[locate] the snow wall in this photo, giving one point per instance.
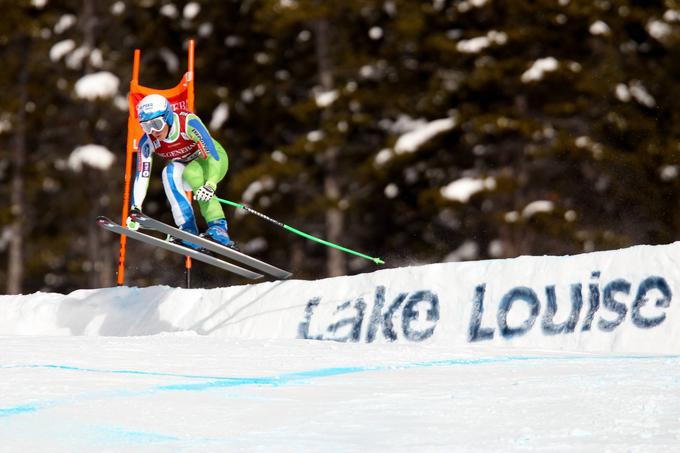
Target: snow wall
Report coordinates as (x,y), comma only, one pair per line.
(618,301)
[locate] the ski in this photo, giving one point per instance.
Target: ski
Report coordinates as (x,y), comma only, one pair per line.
(112,226)
(234,255)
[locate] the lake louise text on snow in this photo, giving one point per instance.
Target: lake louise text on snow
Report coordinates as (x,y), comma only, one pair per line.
(414,316)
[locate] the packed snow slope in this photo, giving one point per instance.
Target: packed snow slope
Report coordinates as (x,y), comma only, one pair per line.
(619,301)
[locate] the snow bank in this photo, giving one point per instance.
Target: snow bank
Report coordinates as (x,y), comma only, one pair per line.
(619,301)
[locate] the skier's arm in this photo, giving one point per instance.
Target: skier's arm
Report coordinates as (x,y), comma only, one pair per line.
(199,133)
(142,176)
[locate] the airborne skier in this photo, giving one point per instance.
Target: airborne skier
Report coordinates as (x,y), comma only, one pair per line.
(197,162)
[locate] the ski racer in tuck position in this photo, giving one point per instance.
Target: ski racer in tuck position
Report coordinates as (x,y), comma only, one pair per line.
(197,162)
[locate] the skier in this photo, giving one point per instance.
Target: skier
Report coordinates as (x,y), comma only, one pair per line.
(197,162)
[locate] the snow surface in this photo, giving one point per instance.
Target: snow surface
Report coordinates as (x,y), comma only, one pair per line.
(478,356)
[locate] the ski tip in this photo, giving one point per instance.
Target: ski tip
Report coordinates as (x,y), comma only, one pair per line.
(138,216)
(101,220)
(378,261)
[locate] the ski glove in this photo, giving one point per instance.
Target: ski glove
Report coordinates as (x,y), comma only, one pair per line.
(206,192)
(131,224)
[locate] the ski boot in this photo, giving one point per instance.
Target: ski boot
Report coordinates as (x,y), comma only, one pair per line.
(189,227)
(217,232)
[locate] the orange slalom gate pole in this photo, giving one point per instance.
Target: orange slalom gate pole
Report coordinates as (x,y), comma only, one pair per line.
(190,105)
(137,92)
(130,149)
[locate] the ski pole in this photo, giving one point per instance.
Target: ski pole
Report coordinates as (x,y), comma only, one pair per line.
(298,232)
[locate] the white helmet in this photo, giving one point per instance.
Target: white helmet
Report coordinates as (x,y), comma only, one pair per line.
(154,106)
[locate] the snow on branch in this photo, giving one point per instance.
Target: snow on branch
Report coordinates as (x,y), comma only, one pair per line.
(97,85)
(539,68)
(411,141)
(95,156)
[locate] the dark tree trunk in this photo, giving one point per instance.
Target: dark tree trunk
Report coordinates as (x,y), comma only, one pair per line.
(336,262)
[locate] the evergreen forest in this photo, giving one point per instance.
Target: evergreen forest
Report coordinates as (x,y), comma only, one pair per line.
(418,131)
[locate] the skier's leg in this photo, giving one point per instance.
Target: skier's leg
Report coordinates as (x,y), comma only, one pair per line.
(211,210)
(175,190)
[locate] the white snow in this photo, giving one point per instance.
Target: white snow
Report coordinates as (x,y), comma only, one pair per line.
(368,71)
(121,103)
(375,33)
(599,28)
(539,68)
(5,123)
(64,23)
(169,10)
(247,95)
(74,59)
(640,94)
(462,189)
(5,237)
(413,140)
(205,29)
(671,15)
(570,215)
(95,156)
(383,156)
(634,90)
(96,58)
(191,10)
(118,8)
(315,136)
(435,307)
(101,84)
(472,367)
(220,116)
(468,250)
(659,30)
(402,124)
(391,190)
(669,172)
(466,5)
(622,92)
(255,187)
(476,45)
(279,156)
(304,36)
(537,207)
(61,48)
(288,4)
(325,98)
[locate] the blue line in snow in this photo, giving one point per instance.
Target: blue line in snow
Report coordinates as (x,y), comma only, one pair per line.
(214,382)
(16,410)
(99,370)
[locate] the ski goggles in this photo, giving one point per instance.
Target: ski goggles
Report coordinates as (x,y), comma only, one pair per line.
(153,125)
